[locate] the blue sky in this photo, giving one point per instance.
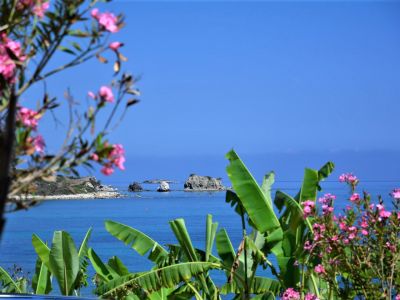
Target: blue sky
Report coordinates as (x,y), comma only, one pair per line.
(262,77)
(257,76)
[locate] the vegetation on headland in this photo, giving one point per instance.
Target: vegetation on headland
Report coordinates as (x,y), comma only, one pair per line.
(318,254)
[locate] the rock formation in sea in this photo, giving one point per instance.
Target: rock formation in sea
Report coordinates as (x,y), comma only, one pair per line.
(203,183)
(135,187)
(163,187)
(158,181)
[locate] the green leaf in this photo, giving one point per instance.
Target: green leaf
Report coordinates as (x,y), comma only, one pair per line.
(106,273)
(309,188)
(83,261)
(225,249)
(66,50)
(83,249)
(137,240)
(76,46)
(211,230)
(117,265)
(64,261)
(154,280)
(266,186)
(260,285)
(41,249)
(252,197)
(41,281)
(7,281)
(179,228)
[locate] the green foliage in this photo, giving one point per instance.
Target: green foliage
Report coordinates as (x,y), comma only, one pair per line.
(137,240)
(8,284)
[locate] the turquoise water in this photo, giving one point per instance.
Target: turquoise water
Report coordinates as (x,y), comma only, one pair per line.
(147,211)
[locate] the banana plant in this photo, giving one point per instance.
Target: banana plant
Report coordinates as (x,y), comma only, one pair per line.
(284,235)
(63,261)
(184,253)
(181,272)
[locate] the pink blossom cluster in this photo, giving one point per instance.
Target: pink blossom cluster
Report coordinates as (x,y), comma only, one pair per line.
(115,157)
(38,7)
(396,194)
(327,203)
(383,214)
(308,208)
(363,227)
(291,294)
(319,269)
(106,20)
(310,296)
(355,198)
(28,117)
(348,178)
(7,64)
(105,94)
(37,142)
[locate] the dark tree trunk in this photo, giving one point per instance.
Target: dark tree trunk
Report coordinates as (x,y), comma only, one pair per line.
(7,139)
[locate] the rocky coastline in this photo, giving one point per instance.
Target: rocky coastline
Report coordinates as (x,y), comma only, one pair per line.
(67,188)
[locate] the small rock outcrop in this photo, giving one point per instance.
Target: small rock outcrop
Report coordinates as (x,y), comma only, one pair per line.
(203,183)
(158,181)
(135,187)
(164,187)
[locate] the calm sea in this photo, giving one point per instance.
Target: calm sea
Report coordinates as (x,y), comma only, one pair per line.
(147,211)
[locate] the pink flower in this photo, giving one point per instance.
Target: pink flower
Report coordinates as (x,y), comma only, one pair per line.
(395,193)
(115,45)
(290,294)
(94,157)
(308,203)
(310,296)
(355,197)
(308,208)
(397,297)
(343,226)
(380,207)
(106,20)
(384,214)
(29,118)
(391,247)
(364,232)
(319,269)
(348,178)
(308,246)
(117,157)
(92,95)
(326,209)
(119,162)
(39,144)
(107,170)
(94,13)
(7,64)
(106,93)
(352,236)
(40,8)
(327,199)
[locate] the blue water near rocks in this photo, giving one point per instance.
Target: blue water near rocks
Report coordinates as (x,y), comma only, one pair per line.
(146,211)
